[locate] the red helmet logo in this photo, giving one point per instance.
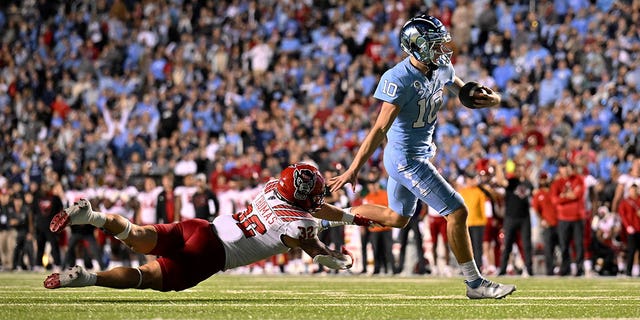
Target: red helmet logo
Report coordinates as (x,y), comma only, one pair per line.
(302,185)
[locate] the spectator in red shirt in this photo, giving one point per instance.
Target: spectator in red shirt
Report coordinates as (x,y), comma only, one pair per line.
(217,173)
(60,106)
(629,210)
(546,212)
(567,194)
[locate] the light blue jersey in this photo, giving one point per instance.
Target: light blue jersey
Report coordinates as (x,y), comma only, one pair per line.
(419,100)
(410,139)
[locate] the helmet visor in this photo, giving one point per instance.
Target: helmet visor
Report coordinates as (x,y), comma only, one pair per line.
(440,54)
(432,48)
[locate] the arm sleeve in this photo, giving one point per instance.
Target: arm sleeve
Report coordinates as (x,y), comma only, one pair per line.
(390,89)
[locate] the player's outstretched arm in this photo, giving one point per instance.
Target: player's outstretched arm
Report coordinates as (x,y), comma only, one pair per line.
(381,215)
(338,260)
(331,259)
(363,215)
(388,113)
(332,213)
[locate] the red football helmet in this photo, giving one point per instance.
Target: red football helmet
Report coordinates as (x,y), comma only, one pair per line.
(302,185)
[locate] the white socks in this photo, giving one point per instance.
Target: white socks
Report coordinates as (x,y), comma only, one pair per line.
(470,271)
(93,278)
(91,217)
(97,219)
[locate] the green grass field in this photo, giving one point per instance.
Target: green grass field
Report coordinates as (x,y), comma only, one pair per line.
(322,297)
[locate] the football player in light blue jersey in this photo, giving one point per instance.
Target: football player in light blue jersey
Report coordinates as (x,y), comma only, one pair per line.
(412,93)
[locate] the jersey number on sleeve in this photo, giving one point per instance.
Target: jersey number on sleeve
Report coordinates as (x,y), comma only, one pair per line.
(306,233)
(389,88)
(249,223)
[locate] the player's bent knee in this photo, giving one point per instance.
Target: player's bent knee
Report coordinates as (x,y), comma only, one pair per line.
(151,276)
(458,216)
(140,231)
(142,239)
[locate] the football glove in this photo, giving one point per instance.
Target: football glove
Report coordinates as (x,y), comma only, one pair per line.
(334,262)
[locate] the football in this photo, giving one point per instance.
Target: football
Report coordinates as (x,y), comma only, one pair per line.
(466,94)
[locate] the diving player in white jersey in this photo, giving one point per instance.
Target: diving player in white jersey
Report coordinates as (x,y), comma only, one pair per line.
(411,94)
(279,218)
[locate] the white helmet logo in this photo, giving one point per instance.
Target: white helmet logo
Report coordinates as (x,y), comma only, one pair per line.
(303,180)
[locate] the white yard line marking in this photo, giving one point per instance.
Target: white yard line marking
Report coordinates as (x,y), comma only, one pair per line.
(288,304)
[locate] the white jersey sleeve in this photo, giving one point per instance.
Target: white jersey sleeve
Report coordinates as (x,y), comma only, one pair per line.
(255,233)
(148,202)
(225,199)
(627,181)
(187,210)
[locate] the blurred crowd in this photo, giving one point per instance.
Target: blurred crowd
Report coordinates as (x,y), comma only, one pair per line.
(140,105)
